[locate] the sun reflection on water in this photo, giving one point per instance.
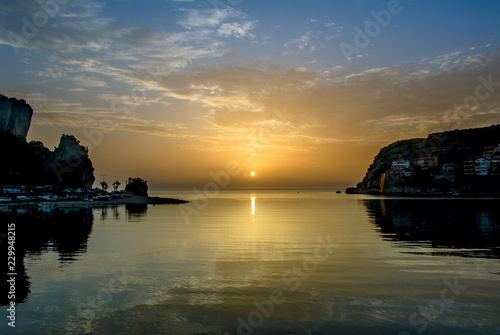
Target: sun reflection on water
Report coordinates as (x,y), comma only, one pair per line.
(253,205)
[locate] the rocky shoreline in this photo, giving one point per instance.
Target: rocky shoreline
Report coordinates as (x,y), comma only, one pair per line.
(135,200)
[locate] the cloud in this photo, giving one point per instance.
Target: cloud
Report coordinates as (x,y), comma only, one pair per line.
(226,22)
(110,123)
(82,39)
(57,112)
(89,81)
(313,40)
(95,53)
(235,29)
(301,42)
(53,72)
(196,18)
(89,51)
(376,105)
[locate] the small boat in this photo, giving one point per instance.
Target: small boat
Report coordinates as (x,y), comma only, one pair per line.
(102,198)
(4,199)
(48,197)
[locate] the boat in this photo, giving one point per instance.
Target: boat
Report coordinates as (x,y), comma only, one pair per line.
(49,197)
(4,199)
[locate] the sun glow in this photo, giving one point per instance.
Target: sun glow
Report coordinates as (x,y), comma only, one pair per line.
(252,174)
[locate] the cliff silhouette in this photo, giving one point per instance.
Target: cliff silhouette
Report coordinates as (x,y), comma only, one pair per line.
(458,162)
(15,116)
(32,164)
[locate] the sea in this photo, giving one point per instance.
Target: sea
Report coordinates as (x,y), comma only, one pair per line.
(255,262)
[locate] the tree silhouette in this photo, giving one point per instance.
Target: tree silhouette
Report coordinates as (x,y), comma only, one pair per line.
(137,186)
(104,185)
(116,184)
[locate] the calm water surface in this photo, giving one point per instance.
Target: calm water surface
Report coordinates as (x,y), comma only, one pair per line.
(263,262)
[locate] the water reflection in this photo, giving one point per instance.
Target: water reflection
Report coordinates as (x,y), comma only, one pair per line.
(471,228)
(42,229)
(136,211)
(253,205)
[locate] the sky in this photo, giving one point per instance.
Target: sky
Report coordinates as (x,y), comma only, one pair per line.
(304,93)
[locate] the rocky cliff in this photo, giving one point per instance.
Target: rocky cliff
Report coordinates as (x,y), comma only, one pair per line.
(32,164)
(460,161)
(15,116)
(72,164)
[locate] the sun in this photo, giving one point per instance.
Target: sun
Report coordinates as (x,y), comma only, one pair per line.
(252,173)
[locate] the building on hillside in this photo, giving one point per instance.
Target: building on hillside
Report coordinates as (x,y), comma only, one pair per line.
(395,172)
(426,162)
(495,166)
(449,168)
(9,189)
(488,152)
(400,164)
(482,167)
(468,168)
(496,153)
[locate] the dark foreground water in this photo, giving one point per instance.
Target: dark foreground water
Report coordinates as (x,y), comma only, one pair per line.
(264,262)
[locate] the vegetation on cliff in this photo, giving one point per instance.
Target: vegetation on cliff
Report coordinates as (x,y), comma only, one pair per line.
(137,186)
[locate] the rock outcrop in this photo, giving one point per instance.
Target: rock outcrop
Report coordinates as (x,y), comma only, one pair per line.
(72,164)
(15,116)
(137,186)
(32,164)
(460,161)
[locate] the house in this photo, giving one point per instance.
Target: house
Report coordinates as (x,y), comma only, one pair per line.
(400,164)
(497,149)
(496,153)
(9,189)
(481,167)
(468,168)
(488,152)
(426,162)
(395,172)
(448,169)
(495,166)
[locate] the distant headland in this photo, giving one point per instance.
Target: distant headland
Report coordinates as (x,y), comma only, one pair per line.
(32,173)
(453,163)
